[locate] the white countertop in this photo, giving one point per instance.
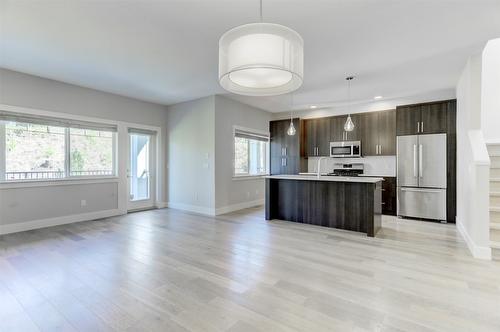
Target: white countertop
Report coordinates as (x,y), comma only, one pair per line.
(326,178)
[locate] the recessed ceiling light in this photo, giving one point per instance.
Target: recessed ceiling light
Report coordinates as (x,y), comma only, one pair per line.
(377,97)
(314,106)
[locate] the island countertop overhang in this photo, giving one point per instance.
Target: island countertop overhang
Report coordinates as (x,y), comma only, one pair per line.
(355,179)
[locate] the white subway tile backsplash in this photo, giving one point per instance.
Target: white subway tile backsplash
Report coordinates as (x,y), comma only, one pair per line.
(374,165)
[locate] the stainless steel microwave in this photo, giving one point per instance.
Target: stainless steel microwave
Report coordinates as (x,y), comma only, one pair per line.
(348,149)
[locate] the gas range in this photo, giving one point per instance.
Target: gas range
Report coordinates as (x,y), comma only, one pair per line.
(341,169)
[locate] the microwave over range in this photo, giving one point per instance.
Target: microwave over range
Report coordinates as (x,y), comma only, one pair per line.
(348,149)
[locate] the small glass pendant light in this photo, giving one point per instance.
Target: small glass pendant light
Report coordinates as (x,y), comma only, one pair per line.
(349,125)
(291,129)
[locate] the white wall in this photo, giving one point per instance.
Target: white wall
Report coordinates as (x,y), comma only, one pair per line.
(472,168)
(231,193)
(190,161)
(23,206)
(490,91)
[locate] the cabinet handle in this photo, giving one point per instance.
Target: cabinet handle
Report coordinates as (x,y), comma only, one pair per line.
(285,151)
(418,127)
(284,161)
(422,126)
(380,149)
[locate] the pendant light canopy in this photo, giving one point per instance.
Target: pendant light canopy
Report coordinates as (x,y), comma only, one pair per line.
(349,125)
(261,59)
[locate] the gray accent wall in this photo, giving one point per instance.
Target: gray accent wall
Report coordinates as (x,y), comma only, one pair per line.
(200,155)
(190,155)
(228,191)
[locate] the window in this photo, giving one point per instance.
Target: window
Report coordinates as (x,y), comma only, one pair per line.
(33,148)
(250,153)
(91,152)
(33,151)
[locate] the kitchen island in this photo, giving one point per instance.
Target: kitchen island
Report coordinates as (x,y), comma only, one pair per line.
(350,203)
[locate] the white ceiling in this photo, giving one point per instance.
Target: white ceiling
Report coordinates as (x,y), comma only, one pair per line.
(166,51)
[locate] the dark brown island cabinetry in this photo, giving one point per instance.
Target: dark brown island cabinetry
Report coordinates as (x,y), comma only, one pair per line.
(427,118)
(284,149)
(317,137)
(377,133)
(349,205)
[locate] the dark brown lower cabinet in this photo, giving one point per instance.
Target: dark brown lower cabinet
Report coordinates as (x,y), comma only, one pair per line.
(389,201)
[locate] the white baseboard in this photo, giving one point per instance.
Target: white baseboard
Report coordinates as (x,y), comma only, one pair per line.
(41,223)
(480,252)
(161,205)
(192,208)
(238,206)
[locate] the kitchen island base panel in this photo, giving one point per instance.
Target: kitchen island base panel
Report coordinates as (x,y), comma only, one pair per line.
(350,206)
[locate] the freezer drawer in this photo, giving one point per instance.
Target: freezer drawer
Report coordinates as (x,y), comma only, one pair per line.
(425,203)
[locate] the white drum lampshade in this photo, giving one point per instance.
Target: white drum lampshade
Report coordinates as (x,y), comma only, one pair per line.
(261,59)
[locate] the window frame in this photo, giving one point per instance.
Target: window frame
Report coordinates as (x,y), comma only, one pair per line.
(267,153)
(67,158)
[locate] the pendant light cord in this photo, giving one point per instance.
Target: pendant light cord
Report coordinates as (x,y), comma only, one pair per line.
(291,107)
(349,79)
(260,11)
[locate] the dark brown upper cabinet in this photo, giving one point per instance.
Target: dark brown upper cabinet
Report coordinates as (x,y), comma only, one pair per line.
(433,118)
(337,132)
(285,149)
(387,133)
(428,118)
(378,133)
(317,137)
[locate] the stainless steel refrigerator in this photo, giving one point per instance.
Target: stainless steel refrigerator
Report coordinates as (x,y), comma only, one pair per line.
(421,176)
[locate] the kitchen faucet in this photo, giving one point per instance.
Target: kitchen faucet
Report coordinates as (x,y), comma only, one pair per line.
(319,166)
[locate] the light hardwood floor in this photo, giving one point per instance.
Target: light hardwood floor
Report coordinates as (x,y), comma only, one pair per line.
(165,270)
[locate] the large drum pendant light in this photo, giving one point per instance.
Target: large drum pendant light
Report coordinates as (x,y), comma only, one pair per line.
(261,59)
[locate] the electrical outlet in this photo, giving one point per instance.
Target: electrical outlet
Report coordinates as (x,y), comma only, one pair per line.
(83,203)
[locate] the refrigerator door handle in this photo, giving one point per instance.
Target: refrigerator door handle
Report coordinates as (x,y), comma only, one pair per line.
(420,163)
(415,160)
(422,190)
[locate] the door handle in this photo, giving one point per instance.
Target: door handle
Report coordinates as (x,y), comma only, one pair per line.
(414,160)
(420,164)
(422,190)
